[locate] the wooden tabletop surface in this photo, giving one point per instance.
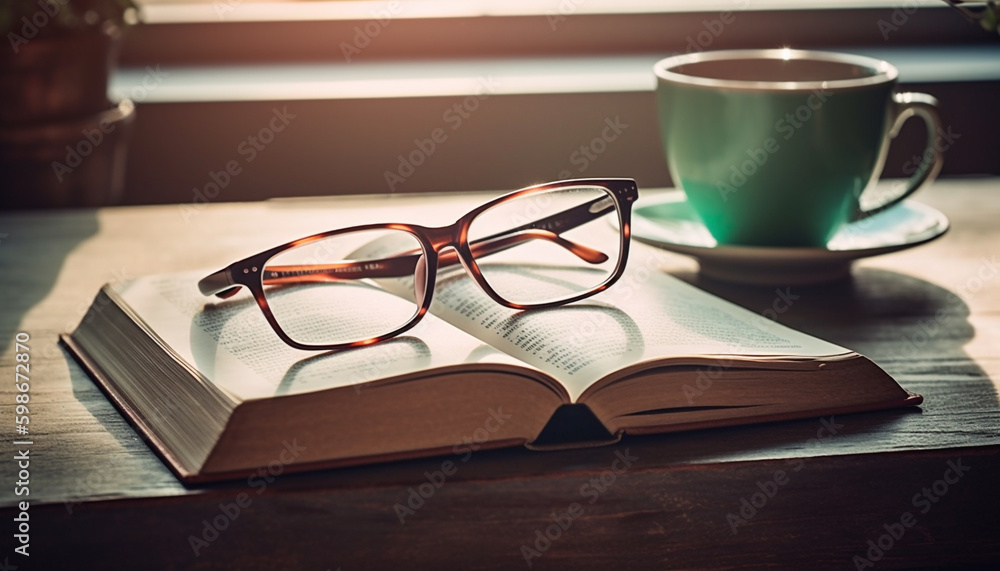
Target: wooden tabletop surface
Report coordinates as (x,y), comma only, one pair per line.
(930,316)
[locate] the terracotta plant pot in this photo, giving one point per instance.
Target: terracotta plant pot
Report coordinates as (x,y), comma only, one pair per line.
(71,163)
(54,78)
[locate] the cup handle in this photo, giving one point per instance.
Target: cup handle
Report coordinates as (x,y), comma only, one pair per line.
(904,106)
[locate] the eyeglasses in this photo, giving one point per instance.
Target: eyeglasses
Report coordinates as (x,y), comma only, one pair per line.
(538,247)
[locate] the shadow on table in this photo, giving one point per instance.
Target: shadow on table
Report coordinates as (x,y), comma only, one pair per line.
(913,329)
(885,315)
(29,269)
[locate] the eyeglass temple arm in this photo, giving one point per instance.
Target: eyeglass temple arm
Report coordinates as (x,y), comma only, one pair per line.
(566,220)
(499,243)
(404,264)
(221,285)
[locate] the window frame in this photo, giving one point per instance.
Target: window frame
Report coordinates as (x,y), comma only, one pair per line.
(370,31)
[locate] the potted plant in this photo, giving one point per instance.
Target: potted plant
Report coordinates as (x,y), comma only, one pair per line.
(986,12)
(61,139)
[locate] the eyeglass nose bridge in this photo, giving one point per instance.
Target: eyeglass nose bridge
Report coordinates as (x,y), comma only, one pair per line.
(450,247)
(440,237)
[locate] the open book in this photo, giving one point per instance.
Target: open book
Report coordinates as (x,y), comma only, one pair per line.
(218,394)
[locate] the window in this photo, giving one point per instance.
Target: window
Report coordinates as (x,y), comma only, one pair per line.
(366,79)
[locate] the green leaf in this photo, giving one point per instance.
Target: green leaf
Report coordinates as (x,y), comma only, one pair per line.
(989,19)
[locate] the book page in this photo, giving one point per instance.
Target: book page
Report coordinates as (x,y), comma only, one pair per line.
(647,315)
(232,345)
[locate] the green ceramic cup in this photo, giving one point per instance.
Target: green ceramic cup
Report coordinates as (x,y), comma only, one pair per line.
(776,147)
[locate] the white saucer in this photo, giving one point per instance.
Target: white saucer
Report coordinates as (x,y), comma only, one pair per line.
(667,221)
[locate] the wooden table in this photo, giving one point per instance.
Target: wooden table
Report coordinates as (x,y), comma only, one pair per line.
(99,498)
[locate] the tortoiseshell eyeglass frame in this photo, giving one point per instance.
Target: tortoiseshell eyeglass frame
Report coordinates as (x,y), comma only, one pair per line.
(250,272)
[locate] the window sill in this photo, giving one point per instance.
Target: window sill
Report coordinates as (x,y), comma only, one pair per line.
(328,81)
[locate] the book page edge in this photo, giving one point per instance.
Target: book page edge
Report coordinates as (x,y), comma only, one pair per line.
(185,473)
